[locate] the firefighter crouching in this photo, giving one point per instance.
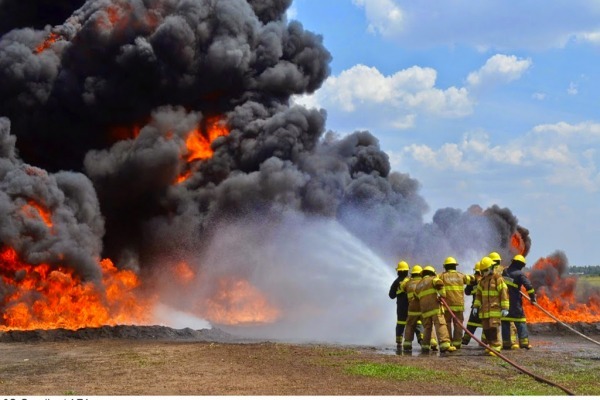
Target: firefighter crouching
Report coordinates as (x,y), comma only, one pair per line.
(454,284)
(515,278)
(491,303)
(432,314)
(396,292)
(414,308)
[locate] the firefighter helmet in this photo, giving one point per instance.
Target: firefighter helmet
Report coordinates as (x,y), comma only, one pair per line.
(477,267)
(450,261)
(402,266)
(519,258)
(485,264)
(429,268)
(495,257)
(416,270)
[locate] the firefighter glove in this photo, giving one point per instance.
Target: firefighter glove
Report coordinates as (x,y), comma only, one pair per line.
(474,311)
(504,313)
(532,299)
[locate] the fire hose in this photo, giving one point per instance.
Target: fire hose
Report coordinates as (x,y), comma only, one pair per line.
(534,376)
(559,321)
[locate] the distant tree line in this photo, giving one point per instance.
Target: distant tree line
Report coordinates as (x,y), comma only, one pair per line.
(585,270)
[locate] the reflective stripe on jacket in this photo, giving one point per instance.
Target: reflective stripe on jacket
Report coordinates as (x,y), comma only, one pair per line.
(491,297)
(409,286)
(515,278)
(428,290)
(454,284)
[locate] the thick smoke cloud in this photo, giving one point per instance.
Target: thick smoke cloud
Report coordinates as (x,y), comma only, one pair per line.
(71,236)
(115,92)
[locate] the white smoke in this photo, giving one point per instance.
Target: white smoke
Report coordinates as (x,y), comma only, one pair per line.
(327,284)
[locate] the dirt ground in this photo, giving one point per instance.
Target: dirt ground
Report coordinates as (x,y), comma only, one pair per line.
(184,366)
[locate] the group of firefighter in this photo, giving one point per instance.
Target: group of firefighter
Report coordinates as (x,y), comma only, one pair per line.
(497,305)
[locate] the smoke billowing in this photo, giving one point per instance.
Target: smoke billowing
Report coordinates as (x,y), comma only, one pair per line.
(116,91)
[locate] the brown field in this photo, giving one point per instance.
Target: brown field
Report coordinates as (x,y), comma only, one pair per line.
(96,365)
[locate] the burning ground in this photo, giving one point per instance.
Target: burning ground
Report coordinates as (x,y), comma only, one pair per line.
(153,165)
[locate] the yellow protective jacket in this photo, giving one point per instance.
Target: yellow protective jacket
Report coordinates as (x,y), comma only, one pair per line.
(491,296)
(428,290)
(454,284)
(409,286)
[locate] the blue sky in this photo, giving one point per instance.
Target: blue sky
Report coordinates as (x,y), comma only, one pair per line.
(484,103)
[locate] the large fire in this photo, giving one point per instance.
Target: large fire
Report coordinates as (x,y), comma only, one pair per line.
(556,292)
(45,297)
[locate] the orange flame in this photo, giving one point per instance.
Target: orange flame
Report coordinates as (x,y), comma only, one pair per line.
(45,297)
(198,143)
(183,273)
(116,16)
(34,210)
(236,302)
(517,243)
(558,296)
(50,40)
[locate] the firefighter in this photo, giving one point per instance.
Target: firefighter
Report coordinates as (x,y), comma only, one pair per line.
(454,284)
(499,268)
(515,278)
(432,313)
(413,323)
(474,321)
(401,301)
(491,303)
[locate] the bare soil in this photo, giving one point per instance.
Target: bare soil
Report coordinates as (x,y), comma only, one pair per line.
(162,361)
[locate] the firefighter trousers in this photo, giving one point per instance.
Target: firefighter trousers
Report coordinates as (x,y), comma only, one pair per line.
(441,331)
(413,327)
(454,327)
(490,328)
(508,335)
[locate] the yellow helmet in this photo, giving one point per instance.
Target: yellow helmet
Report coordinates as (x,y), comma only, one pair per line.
(402,266)
(485,264)
(450,261)
(495,256)
(520,258)
(416,270)
(429,268)
(478,266)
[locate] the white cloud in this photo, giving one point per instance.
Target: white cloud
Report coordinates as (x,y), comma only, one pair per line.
(561,154)
(538,96)
(499,68)
(401,96)
(586,132)
(592,37)
(404,122)
(496,24)
(572,89)
(384,16)
(291,12)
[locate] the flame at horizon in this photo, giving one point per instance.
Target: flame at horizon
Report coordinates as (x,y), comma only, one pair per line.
(561,294)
